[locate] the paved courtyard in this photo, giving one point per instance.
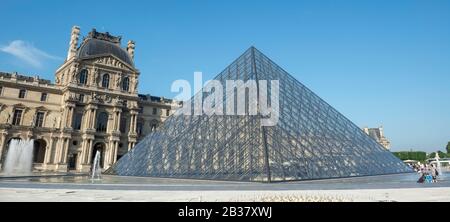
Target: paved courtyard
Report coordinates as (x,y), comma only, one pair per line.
(113,188)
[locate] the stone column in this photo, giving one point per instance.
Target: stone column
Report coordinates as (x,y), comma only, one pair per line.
(112,151)
(2,146)
(84,149)
(63,148)
(131,145)
(87,118)
(119,116)
(93,117)
(131,124)
(68,115)
(89,154)
(133,115)
(58,148)
(116,120)
(70,119)
(48,151)
(116,148)
(66,150)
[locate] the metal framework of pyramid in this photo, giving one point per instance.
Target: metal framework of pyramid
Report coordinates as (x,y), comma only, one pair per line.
(311,140)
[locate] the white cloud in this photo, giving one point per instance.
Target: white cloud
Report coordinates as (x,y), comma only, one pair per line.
(26,52)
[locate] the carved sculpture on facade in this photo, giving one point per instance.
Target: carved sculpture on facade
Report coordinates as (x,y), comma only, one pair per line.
(33,120)
(94,97)
(74,72)
(118,79)
(8,118)
(136,82)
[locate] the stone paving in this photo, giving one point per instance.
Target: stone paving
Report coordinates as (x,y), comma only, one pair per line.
(89,195)
(113,188)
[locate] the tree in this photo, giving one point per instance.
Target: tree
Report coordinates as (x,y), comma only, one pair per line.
(411,155)
(448,148)
(441,154)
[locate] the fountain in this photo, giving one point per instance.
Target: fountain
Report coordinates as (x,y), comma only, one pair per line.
(438,164)
(19,158)
(96,170)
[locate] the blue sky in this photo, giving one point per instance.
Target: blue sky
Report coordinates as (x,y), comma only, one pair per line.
(377,62)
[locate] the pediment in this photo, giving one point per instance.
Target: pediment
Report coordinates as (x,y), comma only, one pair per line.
(111,61)
(19,105)
(41,108)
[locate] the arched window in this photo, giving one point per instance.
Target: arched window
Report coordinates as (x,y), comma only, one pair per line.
(39,151)
(82,77)
(123,125)
(105,81)
(126,84)
(139,126)
(102,122)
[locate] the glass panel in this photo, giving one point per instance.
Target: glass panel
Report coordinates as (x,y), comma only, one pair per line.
(311,140)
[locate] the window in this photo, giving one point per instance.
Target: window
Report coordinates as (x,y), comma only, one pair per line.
(167,112)
(17,117)
(81,98)
(1,90)
(22,93)
(155,111)
(139,125)
(39,151)
(39,122)
(82,77)
(102,122)
(123,125)
(43,97)
(126,84)
(105,81)
(76,125)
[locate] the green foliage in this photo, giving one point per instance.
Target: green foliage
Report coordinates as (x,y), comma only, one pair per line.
(441,155)
(448,148)
(411,155)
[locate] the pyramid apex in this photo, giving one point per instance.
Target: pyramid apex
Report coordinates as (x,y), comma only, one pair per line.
(252,47)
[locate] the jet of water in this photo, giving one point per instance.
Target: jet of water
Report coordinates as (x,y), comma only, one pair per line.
(438,163)
(19,158)
(96,170)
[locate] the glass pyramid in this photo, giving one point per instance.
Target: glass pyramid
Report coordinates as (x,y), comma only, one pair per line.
(311,140)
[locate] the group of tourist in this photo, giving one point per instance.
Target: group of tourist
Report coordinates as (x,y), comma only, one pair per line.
(428,172)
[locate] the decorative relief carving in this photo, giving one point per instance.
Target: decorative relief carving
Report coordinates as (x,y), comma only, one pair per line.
(118,79)
(74,72)
(110,62)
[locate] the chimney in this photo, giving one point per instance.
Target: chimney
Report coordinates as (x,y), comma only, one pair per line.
(73,42)
(130,49)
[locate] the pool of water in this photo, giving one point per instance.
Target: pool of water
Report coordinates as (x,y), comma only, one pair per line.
(149,183)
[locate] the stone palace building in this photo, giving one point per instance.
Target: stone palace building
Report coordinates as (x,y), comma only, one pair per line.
(378,135)
(93,105)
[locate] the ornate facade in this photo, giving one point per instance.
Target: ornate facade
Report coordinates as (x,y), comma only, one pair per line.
(93,105)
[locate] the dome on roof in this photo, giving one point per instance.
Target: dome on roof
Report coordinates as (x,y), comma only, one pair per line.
(94,47)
